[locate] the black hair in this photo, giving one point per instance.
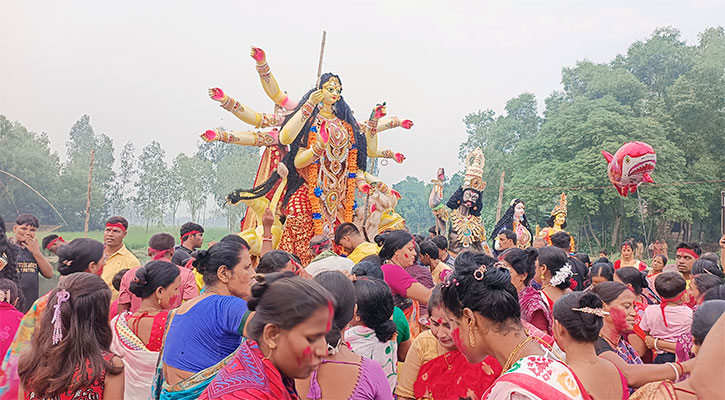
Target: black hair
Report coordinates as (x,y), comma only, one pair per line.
(712,257)
(46,240)
(509,234)
(189,227)
(507,220)
(493,296)
(235,238)
(429,248)
(692,246)
(116,281)
(609,291)
(271,301)
(375,307)
(11,293)
(522,261)
(436,299)
(392,241)
(320,243)
(433,230)
(345,229)
(77,255)
(670,284)
(603,269)
(273,261)
(554,258)
(294,179)
(419,239)
(583,257)
(369,267)
(152,276)
(582,326)
(28,219)
(604,251)
(706,267)
(633,276)
(629,243)
(118,220)
(162,241)
(343,291)
(441,242)
(455,201)
(663,257)
(207,262)
(550,220)
(716,293)
(704,318)
(8,253)
(705,282)
(561,240)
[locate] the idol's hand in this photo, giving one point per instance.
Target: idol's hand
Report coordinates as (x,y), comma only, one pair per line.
(267,220)
(396,193)
(379,111)
(216,94)
(316,97)
(210,136)
(258,55)
(365,188)
(399,158)
(407,124)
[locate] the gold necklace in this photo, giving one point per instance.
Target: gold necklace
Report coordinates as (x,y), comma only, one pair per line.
(515,352)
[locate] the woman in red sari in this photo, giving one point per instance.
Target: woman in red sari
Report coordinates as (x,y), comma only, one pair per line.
(286,340)
(436,369)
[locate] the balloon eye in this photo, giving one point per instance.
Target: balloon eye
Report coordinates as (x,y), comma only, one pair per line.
(627,159)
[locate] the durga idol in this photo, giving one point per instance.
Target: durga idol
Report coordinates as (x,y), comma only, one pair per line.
(514,219)
(556,223)
(326,162)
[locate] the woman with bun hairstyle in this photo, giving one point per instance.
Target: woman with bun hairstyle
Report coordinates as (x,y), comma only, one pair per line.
(70,357)
(398,252)
(554,273)
(137,336)
(578,318)
(202,334)
(372,331)
(80,255)
(343,374)
(286,341)
(483,309)
(618,302)
(521,265)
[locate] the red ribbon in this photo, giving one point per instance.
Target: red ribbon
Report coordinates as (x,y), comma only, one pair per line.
(117,225)
(666,301)
(688,251)
(189,233)
(159,254)
(52,242)
(316,247)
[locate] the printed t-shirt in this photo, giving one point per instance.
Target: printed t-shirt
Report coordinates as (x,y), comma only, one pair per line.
(29,281)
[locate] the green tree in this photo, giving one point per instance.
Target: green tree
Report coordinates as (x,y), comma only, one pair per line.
(151,195)
(125,178)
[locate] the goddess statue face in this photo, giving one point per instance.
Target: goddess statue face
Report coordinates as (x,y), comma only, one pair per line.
(560,219)
(332,91)
(519,211)
(470,198)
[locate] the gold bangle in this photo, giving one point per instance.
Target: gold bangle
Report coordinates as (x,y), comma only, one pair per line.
(307,109)
(387,154)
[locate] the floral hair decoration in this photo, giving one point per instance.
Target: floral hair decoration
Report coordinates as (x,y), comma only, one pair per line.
(561,275)
(60,297)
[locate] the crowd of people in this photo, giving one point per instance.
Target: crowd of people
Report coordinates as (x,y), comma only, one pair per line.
(401,317)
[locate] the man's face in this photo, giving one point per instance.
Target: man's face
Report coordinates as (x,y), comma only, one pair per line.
(24,233)
(504,242)
(684,262)
(425,259)
(196,240)
(346,244)
(113,236)
(469,198)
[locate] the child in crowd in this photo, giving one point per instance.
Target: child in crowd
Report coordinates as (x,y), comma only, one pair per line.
(11,298)
(670,319)
(116,285)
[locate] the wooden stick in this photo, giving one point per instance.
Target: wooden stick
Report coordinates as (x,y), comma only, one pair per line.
(322,55)
(88,200)
(500,198)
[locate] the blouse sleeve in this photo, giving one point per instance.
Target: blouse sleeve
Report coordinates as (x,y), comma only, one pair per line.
(232,310)
(408,372)
(398,279)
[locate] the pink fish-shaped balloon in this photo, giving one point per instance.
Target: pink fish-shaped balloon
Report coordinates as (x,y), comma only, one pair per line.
(630,166)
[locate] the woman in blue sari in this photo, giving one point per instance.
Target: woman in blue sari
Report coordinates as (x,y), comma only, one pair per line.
(203,333)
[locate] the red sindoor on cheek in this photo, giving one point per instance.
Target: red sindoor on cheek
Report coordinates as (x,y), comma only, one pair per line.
(619,319)
(456,334)
(305,356)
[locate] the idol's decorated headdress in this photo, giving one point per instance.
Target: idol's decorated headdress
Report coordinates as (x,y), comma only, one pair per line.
(474,170)
(561,207)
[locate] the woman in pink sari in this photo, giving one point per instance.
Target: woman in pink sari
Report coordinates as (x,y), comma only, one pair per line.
(9,315)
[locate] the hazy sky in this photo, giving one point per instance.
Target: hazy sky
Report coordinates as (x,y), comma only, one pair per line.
(141,69)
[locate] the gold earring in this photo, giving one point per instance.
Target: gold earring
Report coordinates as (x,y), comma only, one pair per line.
(471,339)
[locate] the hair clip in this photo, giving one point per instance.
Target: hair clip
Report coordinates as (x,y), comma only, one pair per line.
(478,274)
(594,311)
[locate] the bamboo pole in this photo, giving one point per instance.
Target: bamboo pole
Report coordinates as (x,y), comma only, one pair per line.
(322,55)
(500,197)
(88,199)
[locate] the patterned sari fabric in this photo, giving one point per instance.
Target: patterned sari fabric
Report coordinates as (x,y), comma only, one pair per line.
(538,377)
(9,381)
(250,376)
(451,376)
(531,302)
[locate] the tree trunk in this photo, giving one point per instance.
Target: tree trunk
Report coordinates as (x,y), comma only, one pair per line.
(615,225)
(591,230)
